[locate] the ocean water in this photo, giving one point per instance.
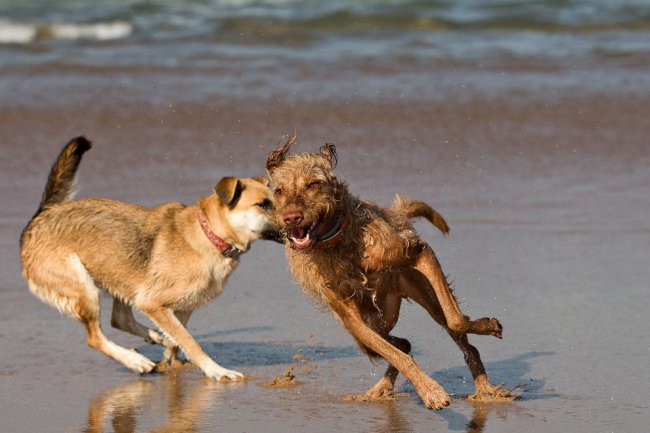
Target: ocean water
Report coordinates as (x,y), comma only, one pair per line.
(384,47)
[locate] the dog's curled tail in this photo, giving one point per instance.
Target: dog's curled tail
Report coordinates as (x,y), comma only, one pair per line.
(419,209)
(60,182)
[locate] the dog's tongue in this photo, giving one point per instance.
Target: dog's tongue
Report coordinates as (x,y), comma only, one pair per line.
(300,237)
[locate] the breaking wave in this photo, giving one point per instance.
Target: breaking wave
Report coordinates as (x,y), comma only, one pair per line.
(12,32)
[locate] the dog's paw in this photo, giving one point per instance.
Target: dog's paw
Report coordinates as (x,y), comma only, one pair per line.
(232,375)
(496,328)
(432,394)
(491,393)
(488,326)
(139,363)
(218,373)
(383,388)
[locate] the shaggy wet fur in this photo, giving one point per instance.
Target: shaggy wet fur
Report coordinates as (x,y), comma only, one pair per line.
(361,260)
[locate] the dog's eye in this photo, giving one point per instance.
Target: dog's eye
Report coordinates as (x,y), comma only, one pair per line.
(315,184)
(278,191)
(266,204)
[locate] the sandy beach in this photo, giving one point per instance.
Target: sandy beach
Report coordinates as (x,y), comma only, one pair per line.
(548,212)
(542,175)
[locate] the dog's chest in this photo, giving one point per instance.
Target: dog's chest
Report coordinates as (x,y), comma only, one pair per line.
(210,284)
(220,273)
(220,270)
(316,272)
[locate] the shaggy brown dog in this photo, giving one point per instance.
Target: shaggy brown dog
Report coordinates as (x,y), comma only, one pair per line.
(166,261)
(361,260)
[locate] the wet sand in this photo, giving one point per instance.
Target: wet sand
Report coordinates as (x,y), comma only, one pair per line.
(547,199)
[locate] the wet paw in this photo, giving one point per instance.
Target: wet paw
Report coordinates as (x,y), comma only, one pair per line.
(492,326)
(218,373)
(433,395)
(232,375)
(382,389)
(139,363)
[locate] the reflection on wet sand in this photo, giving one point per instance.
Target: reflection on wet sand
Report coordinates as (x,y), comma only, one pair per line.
(482,411)
(125,406)
(181,402)
(393,418)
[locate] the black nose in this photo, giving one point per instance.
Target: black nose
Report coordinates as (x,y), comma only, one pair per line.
(292,218)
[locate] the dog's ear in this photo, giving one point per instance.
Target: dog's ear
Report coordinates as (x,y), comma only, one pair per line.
(264,181)
(229,190)
(277,156)
(329,151)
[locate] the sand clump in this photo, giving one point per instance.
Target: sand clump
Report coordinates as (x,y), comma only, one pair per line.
(363,398)
(286,379)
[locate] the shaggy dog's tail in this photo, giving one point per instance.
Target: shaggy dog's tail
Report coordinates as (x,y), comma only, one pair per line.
(419,209)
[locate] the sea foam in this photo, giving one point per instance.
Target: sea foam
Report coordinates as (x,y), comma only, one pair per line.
(23,33)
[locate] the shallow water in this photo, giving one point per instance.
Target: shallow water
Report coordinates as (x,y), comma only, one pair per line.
(541,170)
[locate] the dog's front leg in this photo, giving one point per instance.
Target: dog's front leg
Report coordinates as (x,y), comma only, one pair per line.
(169,323)
(170,357)
(432,394)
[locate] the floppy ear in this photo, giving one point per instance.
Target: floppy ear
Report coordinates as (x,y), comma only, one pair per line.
(264,181)
(276,157)
(329,151)
(229,190)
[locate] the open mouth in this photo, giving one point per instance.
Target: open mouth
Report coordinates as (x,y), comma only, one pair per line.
(302,237)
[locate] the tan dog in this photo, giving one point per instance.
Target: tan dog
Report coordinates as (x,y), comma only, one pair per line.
(361,260)
(166,261)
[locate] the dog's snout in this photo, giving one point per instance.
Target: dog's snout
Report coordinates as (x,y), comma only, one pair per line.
(292,218)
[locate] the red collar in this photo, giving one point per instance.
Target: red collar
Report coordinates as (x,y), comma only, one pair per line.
(335,235)
(227,250)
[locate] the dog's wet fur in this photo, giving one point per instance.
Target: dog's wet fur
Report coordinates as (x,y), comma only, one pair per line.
(158,260)
(361,260)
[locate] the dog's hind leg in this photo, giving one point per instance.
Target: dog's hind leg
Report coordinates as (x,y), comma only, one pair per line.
(67,285)
(86,309)
(122,319)
(428,265)
(415,286)
(130,358)
(484,389)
